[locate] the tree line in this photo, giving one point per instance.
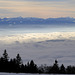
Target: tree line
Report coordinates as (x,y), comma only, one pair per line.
(16,65)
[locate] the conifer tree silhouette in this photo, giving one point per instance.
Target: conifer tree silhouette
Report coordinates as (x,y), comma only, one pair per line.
(5,56)
(62,69)
(18,59)
(55,68)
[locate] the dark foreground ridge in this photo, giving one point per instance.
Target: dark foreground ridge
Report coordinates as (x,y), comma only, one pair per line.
(16,65)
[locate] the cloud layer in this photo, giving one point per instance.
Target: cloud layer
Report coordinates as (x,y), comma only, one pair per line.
(34,37)
(43,49)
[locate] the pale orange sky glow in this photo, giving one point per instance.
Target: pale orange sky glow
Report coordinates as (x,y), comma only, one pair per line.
(35,8)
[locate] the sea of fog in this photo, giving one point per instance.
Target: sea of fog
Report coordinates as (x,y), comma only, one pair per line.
(41,43)
(20,29)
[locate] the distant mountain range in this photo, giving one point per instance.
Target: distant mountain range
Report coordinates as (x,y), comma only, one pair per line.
(32,20)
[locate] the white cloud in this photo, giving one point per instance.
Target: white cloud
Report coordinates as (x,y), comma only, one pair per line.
(34,37)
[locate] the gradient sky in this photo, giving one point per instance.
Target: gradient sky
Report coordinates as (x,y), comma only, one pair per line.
(37,8)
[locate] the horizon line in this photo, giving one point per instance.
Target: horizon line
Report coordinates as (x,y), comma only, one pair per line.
(36,17)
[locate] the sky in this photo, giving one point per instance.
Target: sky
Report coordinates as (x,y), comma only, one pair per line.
(37,8)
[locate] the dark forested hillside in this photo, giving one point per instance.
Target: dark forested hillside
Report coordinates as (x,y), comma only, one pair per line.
(16,65)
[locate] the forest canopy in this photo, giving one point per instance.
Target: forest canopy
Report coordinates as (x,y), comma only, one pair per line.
(16,65)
